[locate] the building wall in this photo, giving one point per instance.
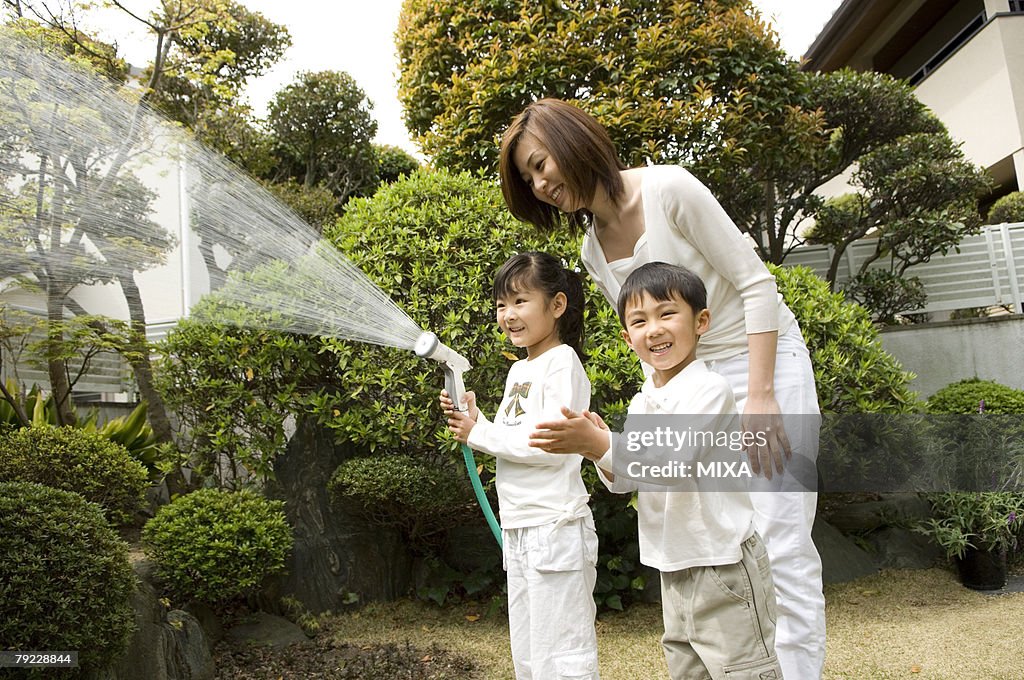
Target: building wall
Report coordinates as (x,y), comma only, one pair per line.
(941,353)
(978,92)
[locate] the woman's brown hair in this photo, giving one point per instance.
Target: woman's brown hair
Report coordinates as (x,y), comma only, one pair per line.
(578,144)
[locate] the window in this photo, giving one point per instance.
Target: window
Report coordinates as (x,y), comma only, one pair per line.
(1017,5)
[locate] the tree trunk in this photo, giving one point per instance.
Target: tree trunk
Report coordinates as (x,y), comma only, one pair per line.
(140,363)
(59,385)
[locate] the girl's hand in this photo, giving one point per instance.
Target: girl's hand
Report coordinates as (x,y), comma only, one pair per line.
(460,425)
(469,399)
(762,417)
(460,422)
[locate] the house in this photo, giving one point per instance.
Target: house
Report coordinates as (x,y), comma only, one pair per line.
(965,59)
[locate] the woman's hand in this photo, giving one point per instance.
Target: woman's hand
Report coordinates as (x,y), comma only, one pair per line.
(460,422)
(762,418)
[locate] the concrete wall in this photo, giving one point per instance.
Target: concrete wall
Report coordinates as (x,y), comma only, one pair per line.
(941,353)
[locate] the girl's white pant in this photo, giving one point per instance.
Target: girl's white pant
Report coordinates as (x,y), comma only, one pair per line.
(551,573)
(784,518)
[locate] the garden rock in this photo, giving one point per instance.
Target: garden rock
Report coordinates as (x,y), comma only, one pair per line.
(904,509)
(267,630)
(167,645)
(335,553)
(841,559)
(898,548)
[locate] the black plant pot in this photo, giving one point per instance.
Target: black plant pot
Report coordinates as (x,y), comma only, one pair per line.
(982,569)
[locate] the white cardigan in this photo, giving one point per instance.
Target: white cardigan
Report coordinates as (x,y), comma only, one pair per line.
(686,226)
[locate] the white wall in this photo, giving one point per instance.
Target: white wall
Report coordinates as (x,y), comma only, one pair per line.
(946,352)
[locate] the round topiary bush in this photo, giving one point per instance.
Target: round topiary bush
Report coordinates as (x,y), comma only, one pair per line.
(75,460)
(404,492)
(65,579)
(968,395)
(214,545)
(1009,208)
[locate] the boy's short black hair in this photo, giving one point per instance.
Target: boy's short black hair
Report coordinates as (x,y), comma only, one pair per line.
(661,280)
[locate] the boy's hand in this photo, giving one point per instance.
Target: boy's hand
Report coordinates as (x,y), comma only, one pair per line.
(763,419)
(584,433)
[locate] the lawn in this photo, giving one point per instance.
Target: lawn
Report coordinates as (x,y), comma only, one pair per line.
(897,624)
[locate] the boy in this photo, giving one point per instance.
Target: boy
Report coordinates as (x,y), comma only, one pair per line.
(718,598)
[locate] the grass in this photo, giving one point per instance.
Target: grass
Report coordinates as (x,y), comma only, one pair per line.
(897,624)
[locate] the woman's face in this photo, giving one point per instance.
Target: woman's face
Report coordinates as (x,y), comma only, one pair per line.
(540,172)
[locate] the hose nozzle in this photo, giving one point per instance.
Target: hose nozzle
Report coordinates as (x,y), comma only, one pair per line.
(452,363)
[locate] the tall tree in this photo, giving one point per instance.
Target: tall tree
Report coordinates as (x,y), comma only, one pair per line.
(700,84)
(204,50)
(673,82)
(77,214)
(322,132)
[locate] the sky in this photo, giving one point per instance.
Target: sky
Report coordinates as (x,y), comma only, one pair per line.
(357,36)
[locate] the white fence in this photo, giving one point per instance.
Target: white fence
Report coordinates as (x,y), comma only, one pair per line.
(988,269)
(108,374)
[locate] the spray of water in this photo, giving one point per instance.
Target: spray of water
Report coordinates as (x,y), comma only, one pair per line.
(83,168)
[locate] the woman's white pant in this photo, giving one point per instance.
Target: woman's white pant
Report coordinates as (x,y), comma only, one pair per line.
(551,573)
(784,518)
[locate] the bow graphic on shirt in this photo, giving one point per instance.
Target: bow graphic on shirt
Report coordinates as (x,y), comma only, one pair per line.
(518,391)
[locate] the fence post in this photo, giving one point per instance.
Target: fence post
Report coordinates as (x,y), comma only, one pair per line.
(1011,267)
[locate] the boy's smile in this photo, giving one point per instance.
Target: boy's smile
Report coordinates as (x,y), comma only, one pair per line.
(664,333)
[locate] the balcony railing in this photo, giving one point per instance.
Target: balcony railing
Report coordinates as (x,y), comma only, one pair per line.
(988,270)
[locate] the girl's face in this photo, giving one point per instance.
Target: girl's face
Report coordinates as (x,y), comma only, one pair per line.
(540,172)
(530,319)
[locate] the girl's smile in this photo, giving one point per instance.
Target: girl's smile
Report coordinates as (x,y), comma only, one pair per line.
(530,319)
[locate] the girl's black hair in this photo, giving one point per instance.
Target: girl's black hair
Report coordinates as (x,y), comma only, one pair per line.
(534,270)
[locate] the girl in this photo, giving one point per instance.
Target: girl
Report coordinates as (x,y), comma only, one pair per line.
(557,160)
(549,543)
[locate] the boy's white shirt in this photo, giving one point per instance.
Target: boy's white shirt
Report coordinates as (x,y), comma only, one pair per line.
(682,528)
(535,487)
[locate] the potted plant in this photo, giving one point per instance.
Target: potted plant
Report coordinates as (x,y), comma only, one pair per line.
(977,529)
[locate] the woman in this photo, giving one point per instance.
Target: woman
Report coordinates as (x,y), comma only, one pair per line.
(558,164)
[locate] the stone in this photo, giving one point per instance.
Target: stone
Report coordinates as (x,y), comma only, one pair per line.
(336,552)
(167,645)
(899,548)
(267,630)
(898,509)
(841,559)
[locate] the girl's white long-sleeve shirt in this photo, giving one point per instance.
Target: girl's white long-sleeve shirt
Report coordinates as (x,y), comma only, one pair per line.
(685,225)
(535,487)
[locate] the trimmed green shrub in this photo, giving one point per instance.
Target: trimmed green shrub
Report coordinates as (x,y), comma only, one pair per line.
(1009,208)
(76,460)
(886,294)
(432,242)
(852,372)
(65,579)
(404,492)
(213,545)
(966,396)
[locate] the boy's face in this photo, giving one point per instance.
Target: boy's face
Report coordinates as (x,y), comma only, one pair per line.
(664,333)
